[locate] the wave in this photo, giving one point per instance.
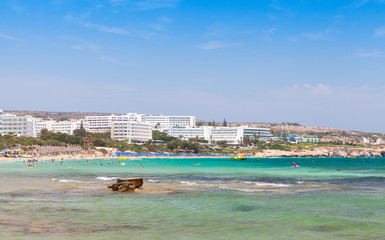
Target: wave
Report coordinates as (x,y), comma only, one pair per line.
(188,182)
(68,181)
(152,180)
(242,190)
(272,184)
(106,178)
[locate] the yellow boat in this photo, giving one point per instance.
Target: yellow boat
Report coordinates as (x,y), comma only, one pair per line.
(239,156)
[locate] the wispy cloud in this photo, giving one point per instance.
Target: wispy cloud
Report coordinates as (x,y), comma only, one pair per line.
(293,39)
(216,45)
(370,53)
(220,29)
(267,34)
(276,5)
(161,24)
(80,44)
(308,89)
(362,3)
(114,61)
(324,35)
(378,32)
(338,18)
(106,29)
(146,4)
(146,32)
(358,3)
(8,37)
(102,28)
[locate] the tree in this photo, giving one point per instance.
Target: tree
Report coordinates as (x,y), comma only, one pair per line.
(222,144)
(81,132)
(172,145)
(246,140)
(224,122)
(44,132)
(157,135)
(87,140)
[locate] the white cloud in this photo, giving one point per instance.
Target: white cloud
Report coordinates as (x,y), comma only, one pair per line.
(370,53)
(106,29)
(6,36)
(358,3)
(219,29)
(145,4)
(154,29)
(99,27)
(80,44)
(275,4)
(114,61)
(378,32)
(304,90)
(216,45)
(165,19)
(324,35)
(268,34)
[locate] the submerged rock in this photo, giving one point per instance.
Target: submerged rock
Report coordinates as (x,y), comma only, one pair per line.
(127,185)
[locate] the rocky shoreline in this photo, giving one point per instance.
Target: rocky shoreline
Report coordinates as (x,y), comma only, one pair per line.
(326,152)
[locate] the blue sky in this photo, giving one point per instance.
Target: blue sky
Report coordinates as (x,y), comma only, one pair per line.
(319,63)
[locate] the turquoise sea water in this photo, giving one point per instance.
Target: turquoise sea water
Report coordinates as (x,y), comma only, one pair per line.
(326,198)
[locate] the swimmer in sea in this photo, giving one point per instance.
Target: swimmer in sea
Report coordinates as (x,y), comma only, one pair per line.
(297,165)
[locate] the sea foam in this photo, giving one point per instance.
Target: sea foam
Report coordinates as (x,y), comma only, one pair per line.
(106,178)
(272,184)
(69,180)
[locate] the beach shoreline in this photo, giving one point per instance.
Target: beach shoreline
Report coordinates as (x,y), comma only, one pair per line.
(318,152)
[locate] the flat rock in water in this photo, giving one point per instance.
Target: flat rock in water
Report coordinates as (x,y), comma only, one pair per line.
(127,185)
(138,182)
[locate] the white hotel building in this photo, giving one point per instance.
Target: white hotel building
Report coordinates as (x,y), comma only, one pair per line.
(67,127)
(103,123)
(19,125)
(232,135)
(162,123)
(134,126)
(159,122)
(131,131)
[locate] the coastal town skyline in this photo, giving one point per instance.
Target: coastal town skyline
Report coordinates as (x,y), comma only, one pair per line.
(74,116)
(317,63)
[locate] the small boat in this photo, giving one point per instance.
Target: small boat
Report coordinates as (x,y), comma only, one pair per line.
(239,156)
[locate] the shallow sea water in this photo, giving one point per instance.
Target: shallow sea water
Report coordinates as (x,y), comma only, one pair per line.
(195,199)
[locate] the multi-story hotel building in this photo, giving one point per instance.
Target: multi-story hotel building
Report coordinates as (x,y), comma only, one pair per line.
(232,135)
(186,133)
(157,122)
(131,131)
(104,123)
(161,122)
(19,125)
(67,127)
